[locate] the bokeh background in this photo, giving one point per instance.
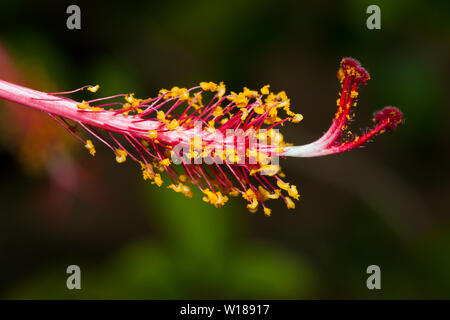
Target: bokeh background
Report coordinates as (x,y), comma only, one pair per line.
(386,204)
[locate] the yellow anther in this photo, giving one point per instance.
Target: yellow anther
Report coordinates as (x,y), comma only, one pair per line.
(244,113)
(293,192)
(183,94)
(161,115)
(132,101)
(265,90)
(152,134)
(216,199)
(241,100)
(129,97)
(208,86)
(297,118)
(173,124)
(262,135)
(163,92)
(259,110)
(250,93)
(83,105)
(270,169)
(210,129)
(90,147)
(94,88)
(275,136)
(211,123)
(218,112)
(185,190)
(283,185)
(221,90)
(253,205)
(289,203)
(181,188)
(121,155)
(147,174)
(157,180)
(263,158)
(353,94)
(267,211)
(249,195)
(267,195)
(165,162)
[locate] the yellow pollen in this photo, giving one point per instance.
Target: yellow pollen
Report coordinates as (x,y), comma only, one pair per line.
(270,169)
(353,94)
(152,134)
(218,112)
(165,162)
(147,175)
(216,199)
(259,110)
(244,113)
(173,124)
(240,100)
(283,185)
(267,211)
(121,155)
(293,192)
(249,195)
(208,86)
(157,180)
(211,124)
(94,88)
(129,97)
(221,90)
(265,89)
(181,188)
(297,118)
(267,195)
(289,203)
(90,147)
(253,205)
(83,105)
(161,115)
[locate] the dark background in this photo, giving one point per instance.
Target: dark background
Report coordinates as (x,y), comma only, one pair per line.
(386,204)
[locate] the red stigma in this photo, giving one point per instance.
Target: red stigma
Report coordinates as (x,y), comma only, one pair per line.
(392,116)
(352,68)
(339,137)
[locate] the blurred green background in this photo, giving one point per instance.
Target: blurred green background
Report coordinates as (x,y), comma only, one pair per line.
(386,204)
